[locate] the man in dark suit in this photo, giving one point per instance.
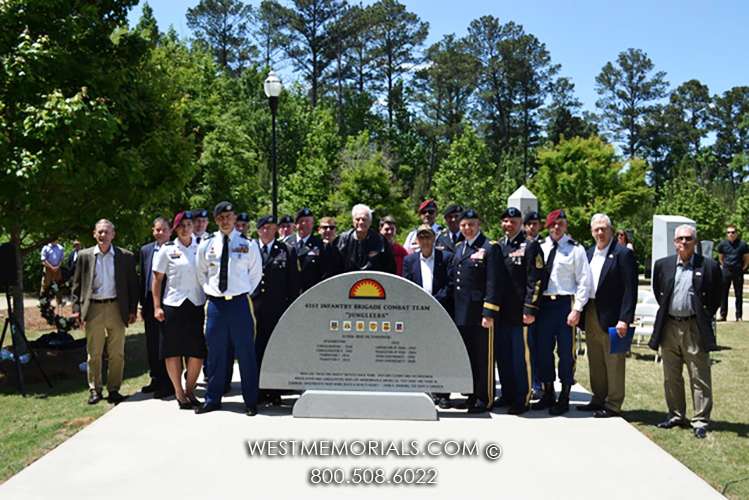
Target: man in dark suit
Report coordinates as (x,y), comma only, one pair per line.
(105,298)
(160,384)
(479,276)
(687,287)
(278,288)
(611,304)
(430,268)
(312,252)
(362,248)
(525,266)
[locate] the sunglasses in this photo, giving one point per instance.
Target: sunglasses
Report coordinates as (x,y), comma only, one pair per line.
(327,228)
(684,239)
(731,232)
(424,236)
(428,212)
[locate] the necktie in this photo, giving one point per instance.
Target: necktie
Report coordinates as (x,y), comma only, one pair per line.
(265,250)
(552,254)
(223,272)
(455,238)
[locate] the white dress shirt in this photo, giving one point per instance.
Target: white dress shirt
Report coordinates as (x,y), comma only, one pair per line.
(427,272)
(245,264)
(596,266)
(104,284)
(177,262)
(571,273)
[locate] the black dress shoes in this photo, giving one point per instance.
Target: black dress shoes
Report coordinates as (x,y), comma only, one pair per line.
(502,403)
(115,397)
(151,387)
(589,407)
(194,401)
(478,407)
(207,408)
(276,400)
(669,424)
(184,406)
(517,409)
(444,403)
(251,410)
(606,413)
(468,403)
(94,397)
(700,433)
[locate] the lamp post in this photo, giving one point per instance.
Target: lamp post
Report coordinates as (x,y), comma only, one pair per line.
(273,88)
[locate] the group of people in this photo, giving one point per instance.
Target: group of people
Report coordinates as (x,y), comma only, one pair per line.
(513,301)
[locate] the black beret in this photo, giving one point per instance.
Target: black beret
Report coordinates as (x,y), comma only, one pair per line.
(305,212)
(452,208)
(199,212)
(511,212)
(530,216)
(223,207)
(265,219)
(286,219)
(243,217)
(469,214)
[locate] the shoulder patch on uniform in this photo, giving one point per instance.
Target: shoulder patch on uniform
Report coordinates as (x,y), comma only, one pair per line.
(541,240)
(169,243)
(243,236)
(209,237)
(493,242)
(573,242)
(539,261)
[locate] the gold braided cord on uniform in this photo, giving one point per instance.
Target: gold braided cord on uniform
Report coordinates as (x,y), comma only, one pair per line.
(527,355)
(254,321)
(490,370)
(491,306)
(574,339)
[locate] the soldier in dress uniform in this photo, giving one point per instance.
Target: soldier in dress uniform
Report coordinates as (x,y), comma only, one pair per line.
(479,276)
(451,235)
(243,224)
(532,225)
(312,252)
(229,268)
(285,227)
(428,215)
(278,288)
(562,303)
(525,265)
(199,224)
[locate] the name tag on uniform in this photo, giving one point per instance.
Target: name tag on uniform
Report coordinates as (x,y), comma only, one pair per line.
(175,256)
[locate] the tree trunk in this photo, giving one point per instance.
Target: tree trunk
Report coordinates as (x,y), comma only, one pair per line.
(18,313)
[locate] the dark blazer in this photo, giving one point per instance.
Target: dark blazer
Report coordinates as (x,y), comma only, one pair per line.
(441,284)
(314,260)
(279,286)
(480,276)
(444,240)
(126,282)
(377,253)
(524,260)
(146,275)
(616,296)
(707,281)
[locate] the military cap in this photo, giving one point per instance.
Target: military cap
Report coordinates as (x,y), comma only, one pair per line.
(199,212)
(305,212)
(452,208)
(427,204)
(511,212)
(286,219)
(553,216)
(468,214)
(424,228)
(265,219)
(243,217)
(186,215)
(531,216)
(223,207)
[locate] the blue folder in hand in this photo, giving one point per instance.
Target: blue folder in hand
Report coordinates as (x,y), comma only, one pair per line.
(621,344)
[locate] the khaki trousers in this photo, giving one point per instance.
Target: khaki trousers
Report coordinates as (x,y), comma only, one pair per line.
(681,345)
(48,277)
(607,371)
(104,326)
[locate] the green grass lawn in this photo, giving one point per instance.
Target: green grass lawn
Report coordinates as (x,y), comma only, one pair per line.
(31,427)
(724,455)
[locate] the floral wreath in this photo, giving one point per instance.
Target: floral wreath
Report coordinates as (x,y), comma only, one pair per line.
(63,325)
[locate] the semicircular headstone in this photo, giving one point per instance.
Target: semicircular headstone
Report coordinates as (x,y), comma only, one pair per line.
(366,331)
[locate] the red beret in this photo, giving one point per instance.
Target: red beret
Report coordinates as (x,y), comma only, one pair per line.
(427,204)
(553,216)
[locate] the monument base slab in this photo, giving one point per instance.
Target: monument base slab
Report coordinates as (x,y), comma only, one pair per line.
(370,405)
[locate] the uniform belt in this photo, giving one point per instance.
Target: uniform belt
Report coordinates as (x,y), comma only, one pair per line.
(556,297)
(228,297)
(682,318)
(103,301)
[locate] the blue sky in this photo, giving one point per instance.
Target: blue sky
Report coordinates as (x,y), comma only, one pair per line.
(706,40)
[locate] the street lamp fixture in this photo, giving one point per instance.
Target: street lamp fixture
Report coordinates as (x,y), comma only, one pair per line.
(273,87)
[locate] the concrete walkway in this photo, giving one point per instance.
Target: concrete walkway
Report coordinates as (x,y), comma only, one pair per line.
(148,449)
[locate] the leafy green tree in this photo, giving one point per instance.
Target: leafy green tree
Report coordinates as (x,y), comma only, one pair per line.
(308,26)
(468,177)
(561,116)
(268,31)
(147,25)
(731,139)
(397,34)
(628,94)
(223,26)
(87,124)
(585,177)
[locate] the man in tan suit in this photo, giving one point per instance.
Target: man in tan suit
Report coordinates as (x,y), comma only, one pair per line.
(105,299)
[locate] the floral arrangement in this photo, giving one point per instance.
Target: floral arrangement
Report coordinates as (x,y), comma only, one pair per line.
(63,325)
